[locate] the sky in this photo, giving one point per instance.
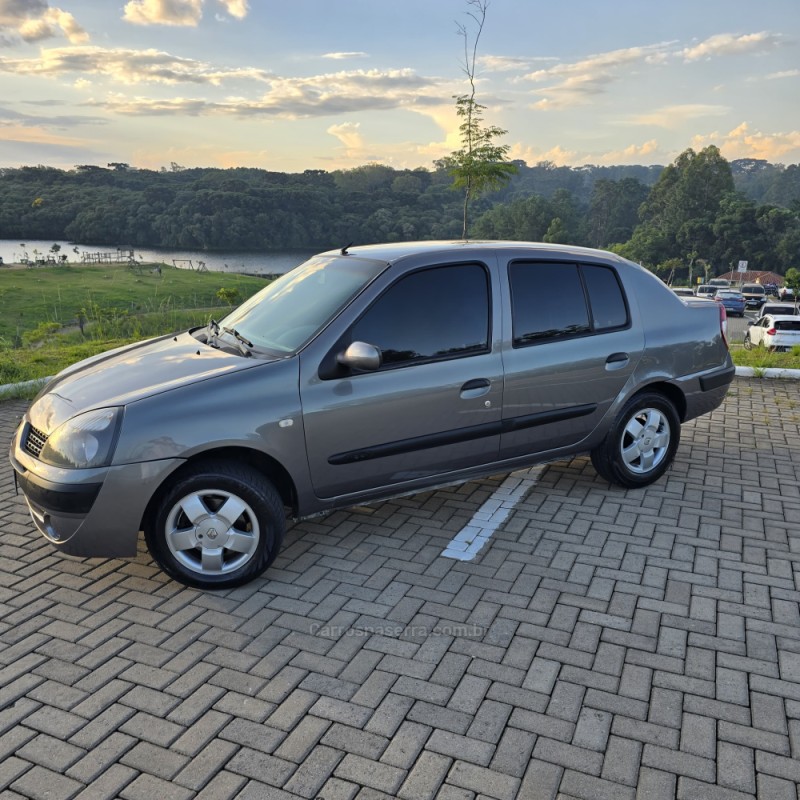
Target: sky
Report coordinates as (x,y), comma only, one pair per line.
(292,85)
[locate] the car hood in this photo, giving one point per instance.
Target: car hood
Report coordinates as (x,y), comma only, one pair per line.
(130,373)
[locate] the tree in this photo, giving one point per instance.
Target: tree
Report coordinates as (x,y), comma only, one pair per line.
(480,164)
(613,210)
(793,280)
(678,216)
(229,296)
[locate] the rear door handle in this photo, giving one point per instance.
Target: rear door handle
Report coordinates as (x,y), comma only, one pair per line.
(616,358)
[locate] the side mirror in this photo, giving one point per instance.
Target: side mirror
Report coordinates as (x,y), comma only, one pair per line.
(361,356)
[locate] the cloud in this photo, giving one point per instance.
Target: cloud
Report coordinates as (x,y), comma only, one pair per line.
(602,62)
(572,83)
(675,116)
(163,12)
(296,98)
(349,135)
(41,131)
(633,154)
(236,8)
(575,83)
(125,66)
(510,63)
(742,143)
(789,73)
(344,56)
(35,20)
(10,132)
(187,13)
(725,44)
(530,155)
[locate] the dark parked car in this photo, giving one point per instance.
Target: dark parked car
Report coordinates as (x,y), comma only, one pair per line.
(732,300)
(362,374)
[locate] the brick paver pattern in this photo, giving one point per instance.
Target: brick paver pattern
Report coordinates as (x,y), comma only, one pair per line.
(604,644)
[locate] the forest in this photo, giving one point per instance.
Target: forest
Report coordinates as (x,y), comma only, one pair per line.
(701,212)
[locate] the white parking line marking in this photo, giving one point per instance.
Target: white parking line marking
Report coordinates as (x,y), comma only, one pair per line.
(467,543)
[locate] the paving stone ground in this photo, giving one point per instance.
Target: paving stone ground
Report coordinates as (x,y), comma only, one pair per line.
(604,644)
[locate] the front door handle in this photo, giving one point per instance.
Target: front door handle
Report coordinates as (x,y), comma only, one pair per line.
(615,358)
(475,388)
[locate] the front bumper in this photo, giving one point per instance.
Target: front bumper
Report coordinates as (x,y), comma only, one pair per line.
(92,513)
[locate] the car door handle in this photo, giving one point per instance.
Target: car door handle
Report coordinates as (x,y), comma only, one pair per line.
(475,388)
(617,361)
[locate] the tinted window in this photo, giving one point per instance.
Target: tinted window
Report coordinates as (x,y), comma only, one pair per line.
(787,325)
(549,300)
(605,297)
(429,314)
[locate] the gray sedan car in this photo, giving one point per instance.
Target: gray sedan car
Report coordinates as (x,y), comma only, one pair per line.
(365,373)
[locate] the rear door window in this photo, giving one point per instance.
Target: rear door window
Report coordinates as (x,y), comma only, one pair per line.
(555,300)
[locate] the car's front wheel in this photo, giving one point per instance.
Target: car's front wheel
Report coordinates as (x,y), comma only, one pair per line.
(216,526)
(641,443)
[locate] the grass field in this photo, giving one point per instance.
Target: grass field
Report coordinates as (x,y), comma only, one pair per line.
(29,297)
(42,310)
(761,359)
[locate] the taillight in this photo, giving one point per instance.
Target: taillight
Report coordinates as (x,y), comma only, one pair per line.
(771,332)
(723,323)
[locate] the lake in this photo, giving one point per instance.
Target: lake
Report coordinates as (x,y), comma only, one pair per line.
(278,262)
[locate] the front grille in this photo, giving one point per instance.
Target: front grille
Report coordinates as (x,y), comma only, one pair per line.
(34,441)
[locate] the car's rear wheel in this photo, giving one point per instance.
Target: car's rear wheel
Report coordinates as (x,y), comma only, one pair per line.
(641,443)
(748,342)
(216,526)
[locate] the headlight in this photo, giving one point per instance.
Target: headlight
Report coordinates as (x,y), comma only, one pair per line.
(85,441)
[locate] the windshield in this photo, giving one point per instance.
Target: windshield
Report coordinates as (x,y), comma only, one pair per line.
(286,314)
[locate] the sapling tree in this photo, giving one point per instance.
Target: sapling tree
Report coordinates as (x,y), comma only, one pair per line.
(481,163)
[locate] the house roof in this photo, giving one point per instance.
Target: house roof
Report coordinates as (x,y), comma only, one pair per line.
(754,276)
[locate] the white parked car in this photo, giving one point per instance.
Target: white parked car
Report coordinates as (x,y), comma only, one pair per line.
(785,293)
(682,291)
(775,333)
(779,309)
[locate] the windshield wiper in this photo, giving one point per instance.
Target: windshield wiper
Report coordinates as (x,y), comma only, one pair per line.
(247,347)
(212,332)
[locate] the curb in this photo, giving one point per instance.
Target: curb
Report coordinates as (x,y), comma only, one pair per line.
(767,372)
(8,388)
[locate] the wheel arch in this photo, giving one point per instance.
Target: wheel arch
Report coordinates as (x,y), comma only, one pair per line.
(671,392)
(269,467)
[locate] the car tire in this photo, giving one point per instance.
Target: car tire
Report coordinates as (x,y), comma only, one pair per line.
(641,443)
(748,342)
(216,526)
